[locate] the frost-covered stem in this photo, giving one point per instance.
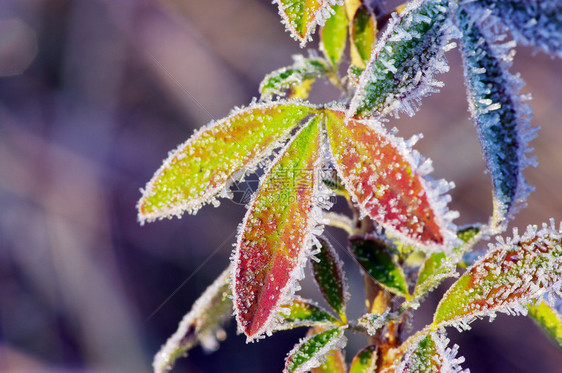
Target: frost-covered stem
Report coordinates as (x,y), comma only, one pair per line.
(339,221)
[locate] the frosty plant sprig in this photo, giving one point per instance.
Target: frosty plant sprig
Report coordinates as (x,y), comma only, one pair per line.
(401,233)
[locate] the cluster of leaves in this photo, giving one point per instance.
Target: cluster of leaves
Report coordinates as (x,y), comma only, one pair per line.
(401,222)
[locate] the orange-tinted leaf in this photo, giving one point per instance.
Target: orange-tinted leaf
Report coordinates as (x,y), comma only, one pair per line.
(515,272)
(386,179)
(200,169)
(276,235)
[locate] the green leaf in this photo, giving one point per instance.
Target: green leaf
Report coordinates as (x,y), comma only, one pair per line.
(363,36)
(276,235)
(513,273)
(431,354)
(303,69)
(311,351)
(303,312)
(333,36)
(201,168)
(388,181)
(202,325)
(329,276)
(365,361)
(405,59)
(549,319)
(376,259)
(302,16)
(335,361)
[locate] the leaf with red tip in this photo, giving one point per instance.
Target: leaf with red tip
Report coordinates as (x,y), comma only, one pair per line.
(312,351)
(276,234)
(365,361)
(513,273)
(302,16)
(386,179)
(200,169)
(329,276)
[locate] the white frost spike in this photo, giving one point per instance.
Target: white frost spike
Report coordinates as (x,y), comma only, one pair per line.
(500,114)
(431,354)
(294,12)
(201,325)
(405,60)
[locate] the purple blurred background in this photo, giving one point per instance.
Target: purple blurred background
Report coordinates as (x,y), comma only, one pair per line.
(94,93)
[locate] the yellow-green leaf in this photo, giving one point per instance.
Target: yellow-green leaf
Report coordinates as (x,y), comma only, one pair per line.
(311,351)
(303,312)
(201,168)
(365,361)
(333,36)
(549,319)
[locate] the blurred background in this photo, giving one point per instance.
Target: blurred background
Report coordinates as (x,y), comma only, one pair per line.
(94,93)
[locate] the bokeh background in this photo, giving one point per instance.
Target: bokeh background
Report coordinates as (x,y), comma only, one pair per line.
(94,93)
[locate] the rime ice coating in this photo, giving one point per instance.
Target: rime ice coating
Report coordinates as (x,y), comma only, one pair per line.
(500,115)
(514,272)
(312,351)
(278,232)
(201,325)
(201,169)
(301,16)
(404,61)
(531,22)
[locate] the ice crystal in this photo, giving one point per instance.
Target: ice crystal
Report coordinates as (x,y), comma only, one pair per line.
(200,169)
(500,115)
(531,22)
(311,352)
(431,354)
(201,325)
(514,272)
(405,59)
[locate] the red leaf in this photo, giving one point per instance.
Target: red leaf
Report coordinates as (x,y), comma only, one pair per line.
(386,179)
(276,234)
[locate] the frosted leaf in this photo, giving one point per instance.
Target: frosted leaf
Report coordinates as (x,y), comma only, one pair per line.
(376,259)
(549,318)
(302,69)
(200,169)
(389,182)
(404,61)
(500,115)
(437,266)
(329,276)
(311,351)
(333,36)
(514,272)
(430,355)
(372,322)
(303,312)
(301,16)
(335,360)
(531,22)
(201,325)
(277,232)
(365,361)
(362,36)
